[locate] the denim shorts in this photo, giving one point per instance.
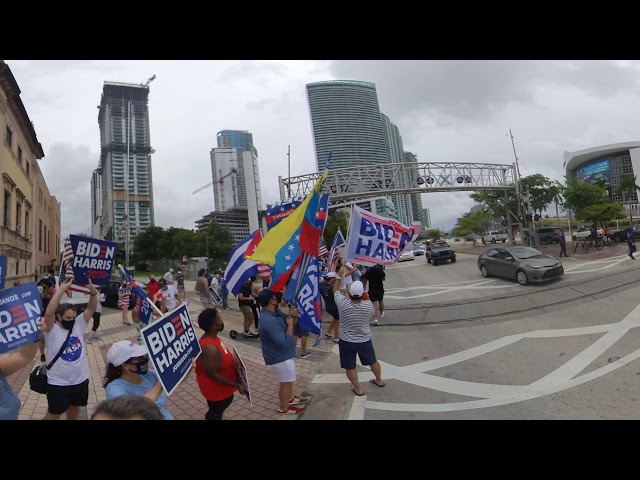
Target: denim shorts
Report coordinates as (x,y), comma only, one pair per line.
(349,350)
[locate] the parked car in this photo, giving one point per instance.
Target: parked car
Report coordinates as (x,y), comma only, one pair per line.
(621,235)
(549,235)
(524,264)
(406,256)
(495,236)
(440,252)
(418,251)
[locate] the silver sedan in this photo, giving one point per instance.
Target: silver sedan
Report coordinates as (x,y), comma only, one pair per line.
(524,264)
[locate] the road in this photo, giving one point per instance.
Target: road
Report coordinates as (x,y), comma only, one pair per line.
(575,362)
(419,283)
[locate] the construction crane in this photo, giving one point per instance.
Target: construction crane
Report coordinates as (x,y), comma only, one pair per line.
(149,81)
(220,180)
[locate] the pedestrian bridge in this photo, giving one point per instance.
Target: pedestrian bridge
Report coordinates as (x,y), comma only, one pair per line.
(366,181)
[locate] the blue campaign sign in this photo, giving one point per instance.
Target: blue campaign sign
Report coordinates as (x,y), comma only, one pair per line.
(3,270)
(20,309)
(215,298)
(92,259)
(172,343)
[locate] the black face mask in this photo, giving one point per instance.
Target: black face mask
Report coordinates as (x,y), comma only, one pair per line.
(221,327)
(68,324)
(141,368)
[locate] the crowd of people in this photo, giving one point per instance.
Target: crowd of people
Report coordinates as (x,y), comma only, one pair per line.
(352,295)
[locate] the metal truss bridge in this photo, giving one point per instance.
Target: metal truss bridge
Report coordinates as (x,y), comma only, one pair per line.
(366,181)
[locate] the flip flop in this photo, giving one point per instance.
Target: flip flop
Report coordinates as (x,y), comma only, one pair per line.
(373,380)
(358,394)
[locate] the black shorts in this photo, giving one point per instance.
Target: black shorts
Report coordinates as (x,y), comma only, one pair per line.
(376,295)
(334,313)
(298,332)
(60,398)
(348,351)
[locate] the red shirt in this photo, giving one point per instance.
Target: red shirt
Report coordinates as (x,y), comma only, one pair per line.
(211,389)
(153,287)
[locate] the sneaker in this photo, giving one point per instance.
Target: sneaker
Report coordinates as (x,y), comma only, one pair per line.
(305,354)
(249,335)
(89,340)
(291,411)
(375,322)
(381,314)
(43,358)
(298,401)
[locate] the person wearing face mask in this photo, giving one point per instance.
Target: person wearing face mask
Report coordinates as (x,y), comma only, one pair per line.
(215,370)
(128,374)
(68,378)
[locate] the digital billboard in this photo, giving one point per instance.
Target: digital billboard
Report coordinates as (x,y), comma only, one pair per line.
(595,171)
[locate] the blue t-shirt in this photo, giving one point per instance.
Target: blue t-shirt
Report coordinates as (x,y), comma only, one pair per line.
(122,387)
(277,345)
(9,401)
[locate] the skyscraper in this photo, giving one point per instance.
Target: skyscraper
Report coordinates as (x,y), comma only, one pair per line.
(233,178)
(125,160)
(346,122)
(393,140)
(416,198)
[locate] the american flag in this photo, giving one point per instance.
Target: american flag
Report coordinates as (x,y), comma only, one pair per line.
(338,242)
(66,270)
(264,271)
(322,249)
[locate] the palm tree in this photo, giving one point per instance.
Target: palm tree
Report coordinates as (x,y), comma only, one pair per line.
(628,185)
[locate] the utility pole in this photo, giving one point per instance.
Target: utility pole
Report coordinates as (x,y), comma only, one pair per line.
(126,188)
(519,192)
(289,163)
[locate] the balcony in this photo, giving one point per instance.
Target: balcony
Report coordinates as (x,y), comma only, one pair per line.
(12,238)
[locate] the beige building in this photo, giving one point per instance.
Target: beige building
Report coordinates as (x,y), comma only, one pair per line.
(30,221)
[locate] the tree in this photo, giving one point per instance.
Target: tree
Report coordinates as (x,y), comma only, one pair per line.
(476,222)
(601,214)
(434,234)
(495,203)
(628,185)
(147,243)
(335,221)
(542,191)
(578,195)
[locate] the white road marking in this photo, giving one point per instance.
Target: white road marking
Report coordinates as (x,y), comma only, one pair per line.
(492,395)
(357,408)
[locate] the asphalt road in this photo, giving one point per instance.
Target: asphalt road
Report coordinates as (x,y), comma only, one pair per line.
(417,282)
(579,361)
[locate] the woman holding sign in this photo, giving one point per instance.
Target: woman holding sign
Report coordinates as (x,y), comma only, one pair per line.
(215,369)
(123,302)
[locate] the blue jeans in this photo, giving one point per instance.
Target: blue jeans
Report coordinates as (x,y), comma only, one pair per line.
(224,298)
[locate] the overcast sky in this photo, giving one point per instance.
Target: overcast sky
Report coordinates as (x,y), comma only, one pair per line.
(447,111)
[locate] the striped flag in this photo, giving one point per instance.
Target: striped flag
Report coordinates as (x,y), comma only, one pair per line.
(322,249)
(66,270)
(338,242)
(239,269)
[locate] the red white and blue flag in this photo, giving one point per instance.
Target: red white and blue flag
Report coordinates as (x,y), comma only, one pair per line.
(239,269)
(338,242)
(66,271)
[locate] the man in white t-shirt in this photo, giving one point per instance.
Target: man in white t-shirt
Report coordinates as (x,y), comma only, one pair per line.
(170,295)
(347,279)
(169,277)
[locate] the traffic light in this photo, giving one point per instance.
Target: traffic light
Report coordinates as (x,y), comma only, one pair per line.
(529,217)
(536,217)
(503,223)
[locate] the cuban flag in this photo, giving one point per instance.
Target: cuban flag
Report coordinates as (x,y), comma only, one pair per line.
(239,269)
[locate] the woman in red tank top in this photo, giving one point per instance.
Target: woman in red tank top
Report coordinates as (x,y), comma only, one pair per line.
(215,370)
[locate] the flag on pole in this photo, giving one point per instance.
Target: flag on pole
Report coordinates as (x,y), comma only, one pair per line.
(338,241)
(278,211)
(147,304)
(322,249)
(239,268)
(66,270)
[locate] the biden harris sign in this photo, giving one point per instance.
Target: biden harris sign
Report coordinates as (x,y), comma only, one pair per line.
(93,260)
(172,343)
(20,309)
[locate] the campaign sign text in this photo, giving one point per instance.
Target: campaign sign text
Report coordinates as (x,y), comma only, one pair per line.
(215,298)
(20,309)
(3,270)
(92,259)
(241,370)
(172,343)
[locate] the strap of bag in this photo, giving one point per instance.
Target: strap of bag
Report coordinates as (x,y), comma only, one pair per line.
(64,344)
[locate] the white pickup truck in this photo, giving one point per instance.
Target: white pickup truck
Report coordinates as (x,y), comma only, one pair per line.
(495,236)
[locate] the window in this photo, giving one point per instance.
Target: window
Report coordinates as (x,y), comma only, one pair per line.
(25,267)
(5,212)
(8,137)
(17,266)
(26,223)
(20,155)
(18,217)
(40,235)
(28,169)
(45,239)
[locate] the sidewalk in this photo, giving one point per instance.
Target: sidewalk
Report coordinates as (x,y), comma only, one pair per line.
(186,403)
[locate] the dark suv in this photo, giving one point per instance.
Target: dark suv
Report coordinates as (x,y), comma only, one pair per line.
(440,252)
(549,234)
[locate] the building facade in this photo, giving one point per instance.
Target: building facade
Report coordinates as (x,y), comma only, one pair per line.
(426,218)
(236,220)
(416,198)
(125,161)
(606,162)
(234,178)
(346,122)
(30,229)
(393,139)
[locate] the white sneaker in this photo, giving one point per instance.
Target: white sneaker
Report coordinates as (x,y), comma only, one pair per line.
(375,322)
(381,314)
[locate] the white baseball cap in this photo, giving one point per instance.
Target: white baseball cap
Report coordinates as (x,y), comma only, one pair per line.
(124,350)
(356,289)
(332,275)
